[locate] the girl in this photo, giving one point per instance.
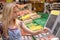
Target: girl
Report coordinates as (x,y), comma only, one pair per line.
(10,26)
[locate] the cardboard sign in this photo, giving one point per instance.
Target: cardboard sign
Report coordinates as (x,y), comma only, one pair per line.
(9,1)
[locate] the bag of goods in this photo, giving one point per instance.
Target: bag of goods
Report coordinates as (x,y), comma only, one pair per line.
(42,39)
(34,16)
(34,28)
(28,21)
(40,21)
(55,39)
(23,12)
(51,36)
(26,17)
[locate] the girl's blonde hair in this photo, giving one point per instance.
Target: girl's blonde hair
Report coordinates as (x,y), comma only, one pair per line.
(7,14)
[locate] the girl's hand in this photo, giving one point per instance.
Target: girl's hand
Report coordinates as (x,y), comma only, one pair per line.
(45,30)
(41,31)
(37,32)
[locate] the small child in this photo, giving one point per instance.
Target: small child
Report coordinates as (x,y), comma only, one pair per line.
(11,29)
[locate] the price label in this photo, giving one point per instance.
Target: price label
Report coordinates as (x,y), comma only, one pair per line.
(55,12)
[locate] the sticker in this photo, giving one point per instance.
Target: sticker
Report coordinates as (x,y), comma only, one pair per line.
(55,12)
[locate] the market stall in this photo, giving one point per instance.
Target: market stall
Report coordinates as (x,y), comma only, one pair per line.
(35,21)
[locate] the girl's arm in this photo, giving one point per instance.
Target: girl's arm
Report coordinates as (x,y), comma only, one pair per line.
(22,25)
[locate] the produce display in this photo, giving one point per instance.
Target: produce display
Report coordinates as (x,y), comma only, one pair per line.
(34,21)
(27,16)
(34,27)
(38,23)
(44,35)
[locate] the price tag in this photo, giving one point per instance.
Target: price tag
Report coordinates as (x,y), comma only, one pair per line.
(55,12)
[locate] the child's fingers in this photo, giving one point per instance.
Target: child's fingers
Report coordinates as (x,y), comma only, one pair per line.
(45,30)
(39,31)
